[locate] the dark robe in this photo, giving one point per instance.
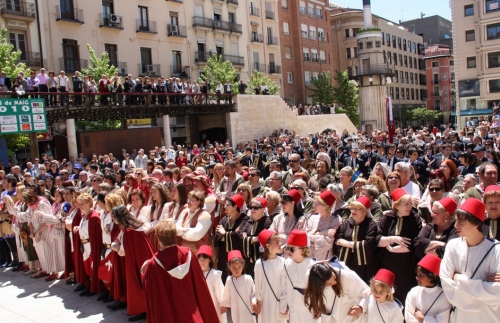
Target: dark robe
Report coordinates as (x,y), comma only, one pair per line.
(428,234)
(251,250)
(183,298)
(95,240)
(232,241)
(361,258)
(137,251)
(403,265)
(119,277)
(80,274)
(490,228)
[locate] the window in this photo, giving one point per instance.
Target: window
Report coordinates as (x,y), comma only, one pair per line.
(396,76)
(385,57)
(310,8)
(360,45)
(377,44)
(397,93)
(321,35)
(305,52)
(494,60)
(304,30)
(289,77)
(492,5)
(411,78)
(452,76)
(322,55)
(319,13)
(176,62)
(288,52)
(407,94)
(348,52)
(107,10)
(416,94)
(416,79)
(112,51)
(437,105)
(401,77)
(414,47)
(409,46)
(347,33)
(406,78)
(406,61)
(388,39)
(469,10)
(383,39)
(399,42)
(355,32)
(493,31)
(470,35)
(355,52)
(401,59)
(71,55)
(494,86)
(389,57)
(452,62)
(413,94)
(471,62)
(312,32)
(404,45)
(394,41)
(411,62)
(307,77)
(392,92)
(146,60)
(284,4)
(314,55)
(302,8)
(415,63)
(435,64)
(369,44)
(435,78)
(395,59)
(143,22)
(18,40)
(286,30)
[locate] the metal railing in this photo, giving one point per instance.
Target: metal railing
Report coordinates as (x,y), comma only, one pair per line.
(235,60)
(176,31)
(307,58)
(17,8)
(70,65)
(254,11)
(259,67)
(235,2)
(274,69)
(178,1)
(222,25)
(236,28)
(203,22)
(322,61)
(179,71)
(269,14)
(31,58)
(272,40)
(110,21)
(315,59)
(149,69)
(146,26)
(256,38)
(202,57)
(69,14)
(356,71)
(322,38)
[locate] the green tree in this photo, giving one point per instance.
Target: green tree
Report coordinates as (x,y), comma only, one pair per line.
(256,80)
(346,96)
(219,70)
(424,114)
(322,89)
(9,58)
(99,66)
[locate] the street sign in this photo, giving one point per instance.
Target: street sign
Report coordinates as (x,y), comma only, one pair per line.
(22,116)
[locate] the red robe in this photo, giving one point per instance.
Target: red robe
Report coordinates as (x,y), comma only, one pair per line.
(95,239)
(80,274)
(184,298)
(137,251)
(119,278)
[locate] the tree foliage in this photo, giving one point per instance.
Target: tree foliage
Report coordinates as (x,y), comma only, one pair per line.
(346,96)
(9,58)
(256,80)
(322,89)
(219,70)
(423,113)
(99,66)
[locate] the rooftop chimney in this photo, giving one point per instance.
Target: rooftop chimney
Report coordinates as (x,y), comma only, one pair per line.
(367,13)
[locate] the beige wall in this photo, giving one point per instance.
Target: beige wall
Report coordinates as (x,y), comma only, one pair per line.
(259,116)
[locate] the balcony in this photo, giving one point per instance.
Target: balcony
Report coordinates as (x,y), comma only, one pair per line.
(69,14)
(235,60)
(222,25)
(203,22)
(202,57)
(307,58)
(322,61)
(176,31)
(110,21)
(233,2)
(178,1)
(254,12)
(274,69)
(70,65)
(17,9)
(256,38)
(179,71)
(149,69)
(146,26)
(31,58)
(122,68)
(236,28)
(259,67)
(272,40)
(315,59)
(269,14)
(303,10)
(359,71)
(435,93)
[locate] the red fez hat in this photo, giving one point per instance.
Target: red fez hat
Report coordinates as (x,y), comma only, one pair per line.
(327,197)
(262,201)
(264,236)
(234,254)
(398,193)
(205,250)
(449,204)
(295,195)
(385,276)
(238,200)
(431,263)
(474,207)
(492,188)
(298,238)
(365,201)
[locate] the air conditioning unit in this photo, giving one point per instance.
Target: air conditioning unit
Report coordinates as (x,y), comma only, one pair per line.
(115,19)
(174,29)
(122,70)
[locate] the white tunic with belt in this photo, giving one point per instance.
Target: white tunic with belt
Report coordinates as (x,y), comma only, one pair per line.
(431,302)
(268,290)
(241,307)
(375,312)
(216,288)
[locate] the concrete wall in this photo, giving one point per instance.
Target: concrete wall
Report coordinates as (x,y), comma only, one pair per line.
(259,116)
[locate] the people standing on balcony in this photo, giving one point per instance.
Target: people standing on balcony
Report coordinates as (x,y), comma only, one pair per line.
(42,86)
(180,90)
(196,89)
(228,91)
(77,88)
(103,88)
(117,89)
(242,87)
(51,84)
(160,89)
(64,87)
(219,89)
(205,89)
(264,90)
(33,83)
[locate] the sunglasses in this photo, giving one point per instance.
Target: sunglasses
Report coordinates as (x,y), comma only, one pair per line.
(291,249)
(203,256)
(434,189)
(94,180)
(255,207)
(392,177)
(252,175)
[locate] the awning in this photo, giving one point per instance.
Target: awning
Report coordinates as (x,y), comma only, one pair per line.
(477,112)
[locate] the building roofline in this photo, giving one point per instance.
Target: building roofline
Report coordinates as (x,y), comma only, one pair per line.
(349,10)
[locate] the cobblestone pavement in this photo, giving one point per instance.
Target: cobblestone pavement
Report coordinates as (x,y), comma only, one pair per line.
(25,300)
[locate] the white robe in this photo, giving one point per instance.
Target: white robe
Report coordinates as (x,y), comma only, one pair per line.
(216,288)
(390,311)
(270,310)
(475,299)
(290,297)
(353,287)
(421,298)
(240,309)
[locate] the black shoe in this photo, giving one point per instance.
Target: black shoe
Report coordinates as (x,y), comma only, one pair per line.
(103,296)
(117,305)
(19,266)
(89,294)
(13,264)
(70,281)
(137,317)
(79,288)
(108,300)
(85,292)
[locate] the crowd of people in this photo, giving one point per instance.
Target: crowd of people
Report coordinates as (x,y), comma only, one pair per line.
(332,226)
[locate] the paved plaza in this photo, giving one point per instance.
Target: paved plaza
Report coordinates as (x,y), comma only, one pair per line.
(25,300)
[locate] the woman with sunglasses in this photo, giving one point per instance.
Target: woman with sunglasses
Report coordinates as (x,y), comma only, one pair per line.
(435,192)
(284,223)
(246,192)
(257,222)
(398,230)
(345,177)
